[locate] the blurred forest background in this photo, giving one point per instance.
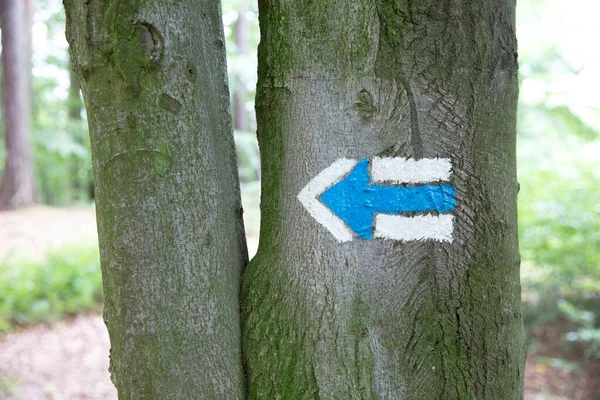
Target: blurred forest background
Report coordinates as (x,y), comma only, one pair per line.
(52,341)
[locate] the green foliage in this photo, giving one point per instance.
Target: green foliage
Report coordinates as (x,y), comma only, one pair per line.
(559,205)
(62,158)
(558,363)
(61,146)
(7,384)
(248,156)
(66,281)
(560,228)
(559,155)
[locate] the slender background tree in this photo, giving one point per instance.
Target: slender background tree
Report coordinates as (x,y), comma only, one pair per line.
(17,186)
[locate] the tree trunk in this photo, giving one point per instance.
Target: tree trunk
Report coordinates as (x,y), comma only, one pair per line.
(400,316)
(29,13)
(167,193)
(17,187)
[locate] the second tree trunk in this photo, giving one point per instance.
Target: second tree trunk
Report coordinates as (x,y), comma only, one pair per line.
(384,318)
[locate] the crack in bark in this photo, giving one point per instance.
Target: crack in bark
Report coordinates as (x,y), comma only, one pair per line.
(415,131)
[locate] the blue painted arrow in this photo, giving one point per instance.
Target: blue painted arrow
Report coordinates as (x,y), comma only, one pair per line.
(355,200)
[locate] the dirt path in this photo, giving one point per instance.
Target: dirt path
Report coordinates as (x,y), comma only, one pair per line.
(66,361)
(32,231)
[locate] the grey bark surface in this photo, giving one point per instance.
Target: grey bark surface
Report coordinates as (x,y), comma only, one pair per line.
(17,186)
(382,319)
(171,235)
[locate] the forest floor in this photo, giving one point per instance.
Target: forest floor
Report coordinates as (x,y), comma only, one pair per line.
(69,359)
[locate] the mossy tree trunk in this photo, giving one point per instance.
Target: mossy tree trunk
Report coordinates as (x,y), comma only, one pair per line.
(17,186)
(168,205)
(385,319)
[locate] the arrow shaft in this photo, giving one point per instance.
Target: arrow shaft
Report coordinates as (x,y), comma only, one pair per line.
(400,199)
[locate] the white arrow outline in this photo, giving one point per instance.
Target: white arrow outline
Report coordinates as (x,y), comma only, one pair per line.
(308,196)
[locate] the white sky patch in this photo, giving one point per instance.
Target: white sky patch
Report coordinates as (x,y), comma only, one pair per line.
(323,215)
(402,170)
(420,227)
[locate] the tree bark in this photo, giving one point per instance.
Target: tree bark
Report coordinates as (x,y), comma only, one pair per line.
(386,319)
(167,193)
(17,187)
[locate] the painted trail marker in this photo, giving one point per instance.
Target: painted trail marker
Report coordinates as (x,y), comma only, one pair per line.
(348,202)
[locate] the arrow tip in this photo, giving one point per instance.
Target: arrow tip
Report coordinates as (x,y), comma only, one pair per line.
(348,200)
(308,196)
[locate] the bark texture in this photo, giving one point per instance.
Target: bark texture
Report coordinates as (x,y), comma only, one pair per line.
(381,319)
(17,187)
(171,235)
